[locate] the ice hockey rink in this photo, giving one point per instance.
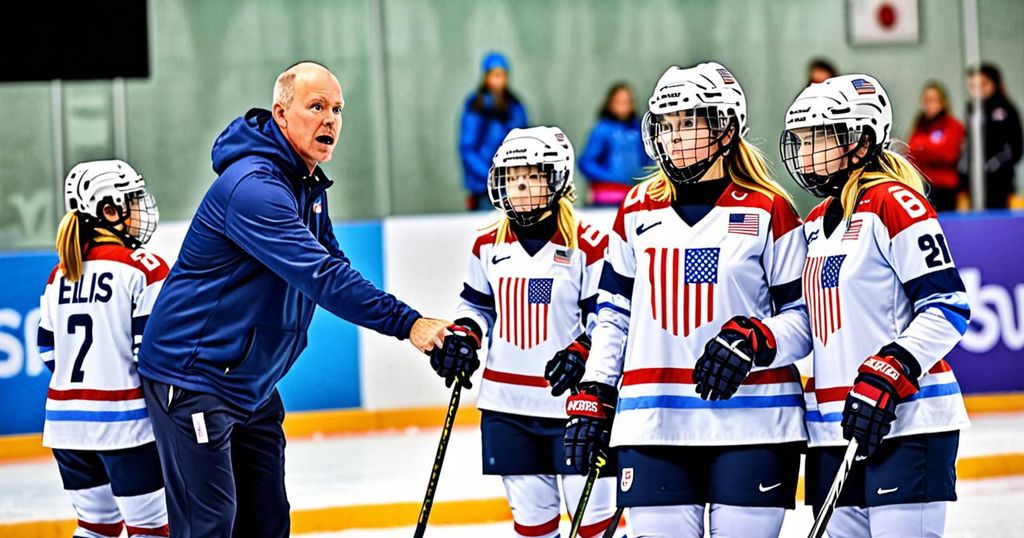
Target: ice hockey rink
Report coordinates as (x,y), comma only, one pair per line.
(370,485)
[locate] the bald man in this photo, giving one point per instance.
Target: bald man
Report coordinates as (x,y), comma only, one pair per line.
(231,319)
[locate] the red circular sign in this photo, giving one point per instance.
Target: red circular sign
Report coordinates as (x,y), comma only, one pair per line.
(886,16)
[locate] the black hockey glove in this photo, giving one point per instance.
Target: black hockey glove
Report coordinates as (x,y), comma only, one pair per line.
(566,368)
(741,344)
(591,411)
(882,381)
(456,358)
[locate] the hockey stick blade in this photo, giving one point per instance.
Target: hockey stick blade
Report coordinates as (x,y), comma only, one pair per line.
(829,506)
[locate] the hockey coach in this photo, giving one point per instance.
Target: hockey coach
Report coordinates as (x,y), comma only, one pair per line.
(233,313)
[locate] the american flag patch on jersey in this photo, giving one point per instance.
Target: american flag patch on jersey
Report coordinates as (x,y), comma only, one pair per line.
(562,256)
(524,305)
(697,288)
(743,223)
(726,76)
(821,293)
(853,232)
(863,86)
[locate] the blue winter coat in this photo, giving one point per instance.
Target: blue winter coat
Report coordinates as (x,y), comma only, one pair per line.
(259,255)
(614,152)
(481,133)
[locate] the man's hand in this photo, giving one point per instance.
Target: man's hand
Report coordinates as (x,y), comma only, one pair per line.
(428,333)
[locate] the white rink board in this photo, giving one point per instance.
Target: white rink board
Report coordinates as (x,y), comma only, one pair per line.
(425,260)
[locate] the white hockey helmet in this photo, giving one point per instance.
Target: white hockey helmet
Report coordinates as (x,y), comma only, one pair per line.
(707,90)
(93,185)
(833,128)
(524,201)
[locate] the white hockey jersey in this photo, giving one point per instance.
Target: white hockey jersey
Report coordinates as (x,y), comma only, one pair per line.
(668,288)
(89,332)
(883,276)
(531,307)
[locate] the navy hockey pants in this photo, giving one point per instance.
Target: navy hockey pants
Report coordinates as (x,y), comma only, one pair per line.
(223,466)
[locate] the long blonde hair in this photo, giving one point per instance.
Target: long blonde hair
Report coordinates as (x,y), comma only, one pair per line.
(72,234)
(744,164)
(889,166)
(566,216)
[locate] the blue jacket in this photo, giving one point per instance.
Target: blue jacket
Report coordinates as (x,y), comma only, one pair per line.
(481,133)
(614,152)
(259,255)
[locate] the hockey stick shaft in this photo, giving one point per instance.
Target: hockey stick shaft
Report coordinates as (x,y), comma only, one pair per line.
(614,525)
(588,487)
(435,472)
(829,506)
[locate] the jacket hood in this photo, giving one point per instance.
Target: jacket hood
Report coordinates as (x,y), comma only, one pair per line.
(256,133)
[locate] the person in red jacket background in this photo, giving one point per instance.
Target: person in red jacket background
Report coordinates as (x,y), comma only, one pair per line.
(935,146)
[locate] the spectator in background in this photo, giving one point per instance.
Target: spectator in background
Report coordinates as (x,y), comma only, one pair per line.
(1001,130)
(488,115)
(935,146)
(614,155)
(820,70)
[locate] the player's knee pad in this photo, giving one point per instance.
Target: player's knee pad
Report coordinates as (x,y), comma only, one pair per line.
(729,521)
(98,513)
(914,520)
(534,500)
(145,515)
(682,521)
(600,507)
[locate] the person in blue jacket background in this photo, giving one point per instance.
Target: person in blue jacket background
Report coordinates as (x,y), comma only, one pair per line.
(614,156)
(232,316)
(489,113)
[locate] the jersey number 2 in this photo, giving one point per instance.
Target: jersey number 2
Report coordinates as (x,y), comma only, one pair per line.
(85,322)
(935,247)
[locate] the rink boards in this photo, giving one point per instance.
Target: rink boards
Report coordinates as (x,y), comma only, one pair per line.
(377,382)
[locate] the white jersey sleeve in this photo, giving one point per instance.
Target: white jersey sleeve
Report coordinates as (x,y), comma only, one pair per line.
(593,243)
(144,287)
(615,292)
(784,256)
(912,243)
(476,301)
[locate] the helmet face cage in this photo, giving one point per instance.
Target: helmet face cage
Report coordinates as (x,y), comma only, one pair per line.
(820,158)
(144,216)
(139,207)
(687,142)
(525,193)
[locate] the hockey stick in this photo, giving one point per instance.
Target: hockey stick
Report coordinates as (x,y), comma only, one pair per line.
(435,472)
(577,519)
(818,530)
(614,525)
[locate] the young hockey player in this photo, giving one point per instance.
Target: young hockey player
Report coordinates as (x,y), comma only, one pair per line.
(885,304)
(92,315)
(532,287)
(700,321)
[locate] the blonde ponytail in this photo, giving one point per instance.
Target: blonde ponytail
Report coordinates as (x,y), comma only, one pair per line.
(69,246)
(745,165)
(890,166)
